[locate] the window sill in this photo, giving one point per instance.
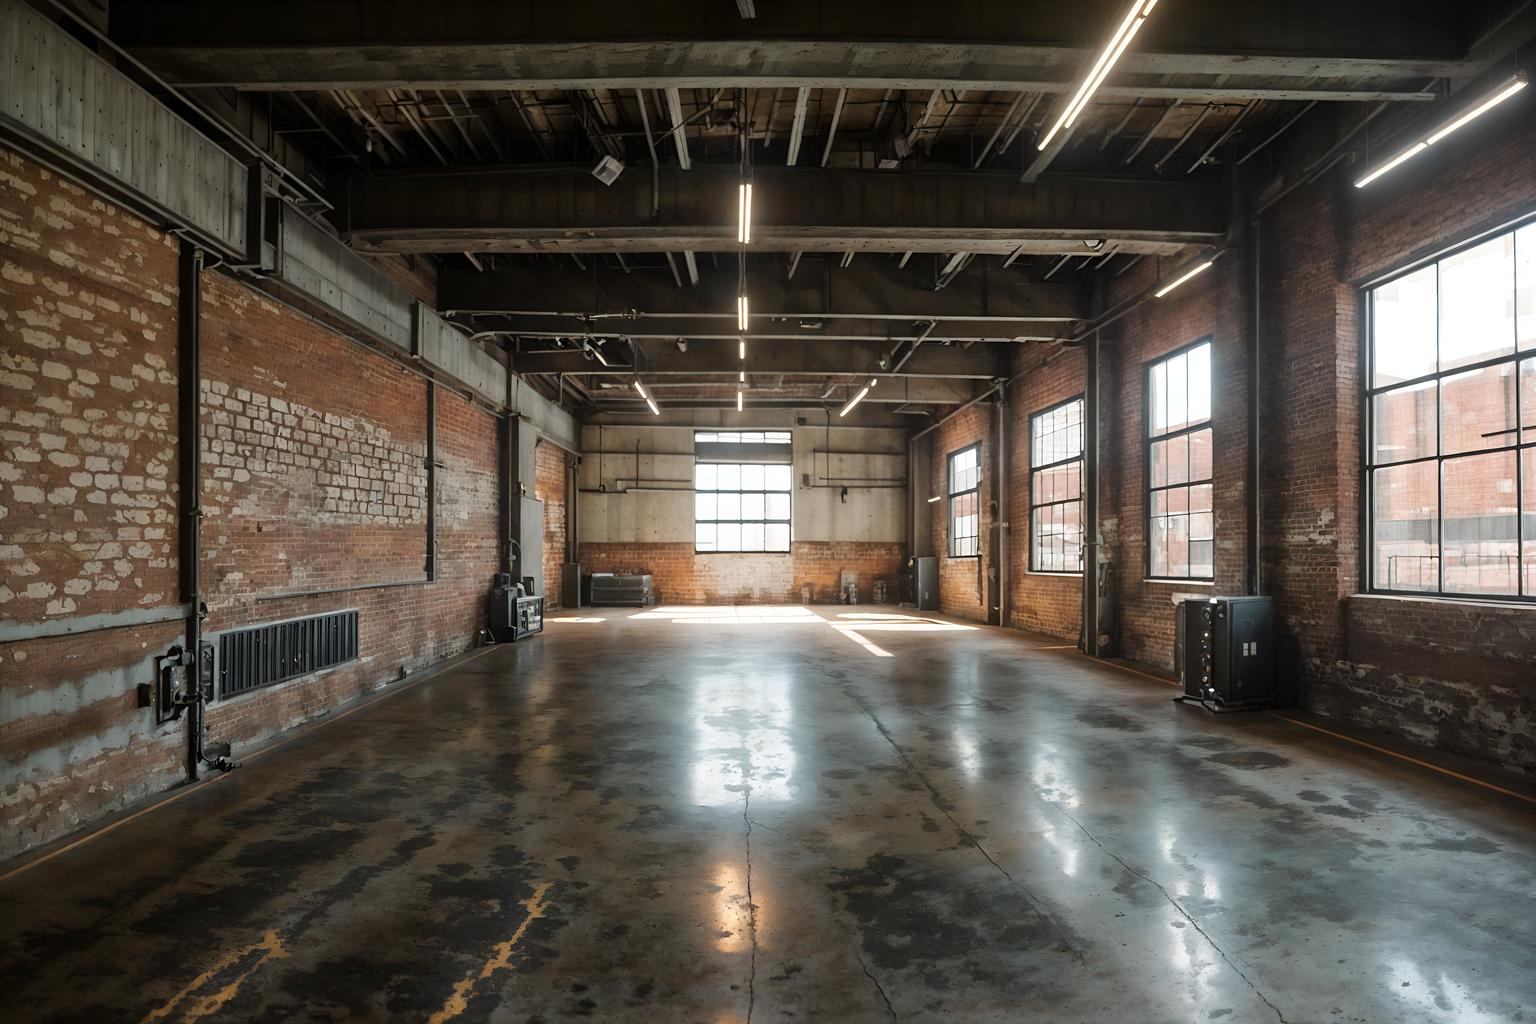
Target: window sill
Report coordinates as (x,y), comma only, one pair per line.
(1176,582)
(1514,605)
(1047,572)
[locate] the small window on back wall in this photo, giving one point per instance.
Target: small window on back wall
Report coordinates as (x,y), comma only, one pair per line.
(965,502)
(1180,534)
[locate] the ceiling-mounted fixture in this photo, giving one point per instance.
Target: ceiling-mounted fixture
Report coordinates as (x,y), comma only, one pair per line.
(1101,67)
(608,170)
(1191,272)
(743,376)
(856,399)
(741,312)
(647,396)
(744,213)
(935,498)
(738,401)
(1519,81)
(742,348)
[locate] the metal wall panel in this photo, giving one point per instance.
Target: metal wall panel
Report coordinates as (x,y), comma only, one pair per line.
(56,91)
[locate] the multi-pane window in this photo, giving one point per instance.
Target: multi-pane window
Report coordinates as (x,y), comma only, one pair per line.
(1056,489)
(1180,534)
(741,437)
(965,502)
(1451,437)
(742,505)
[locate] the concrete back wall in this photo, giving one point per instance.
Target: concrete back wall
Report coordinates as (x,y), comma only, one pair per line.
(652,531)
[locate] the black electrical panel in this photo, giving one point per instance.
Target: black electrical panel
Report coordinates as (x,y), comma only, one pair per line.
(1224,651)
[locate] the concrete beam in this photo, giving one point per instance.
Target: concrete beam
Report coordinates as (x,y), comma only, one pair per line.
(1372,48)
(878,290)
(806,356)
(505,210)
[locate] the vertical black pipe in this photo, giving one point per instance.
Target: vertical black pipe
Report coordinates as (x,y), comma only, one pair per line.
(1253,508)
(512,499)
(1004,535)
(431,566)
(190,485)
(1091,540)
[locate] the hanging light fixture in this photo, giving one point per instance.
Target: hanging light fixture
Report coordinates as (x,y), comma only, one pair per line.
(647,396)
(1516,83)
(856,399)
(744,212)
(1129,26)
(738,401)
(741,312)
(1191,272)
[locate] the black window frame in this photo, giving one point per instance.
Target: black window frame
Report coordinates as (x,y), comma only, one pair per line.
(1149,441)
(952,494)
(1035,505)
(1524,596)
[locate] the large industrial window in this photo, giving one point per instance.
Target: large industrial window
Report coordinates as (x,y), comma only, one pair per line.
(1180,534)
(965,502)
(1056,489)
(742,483)
(1451,432)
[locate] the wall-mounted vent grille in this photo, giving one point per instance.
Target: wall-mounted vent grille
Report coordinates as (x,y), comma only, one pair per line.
(276,652)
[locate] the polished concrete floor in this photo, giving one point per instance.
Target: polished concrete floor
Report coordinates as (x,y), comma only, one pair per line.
(787,815)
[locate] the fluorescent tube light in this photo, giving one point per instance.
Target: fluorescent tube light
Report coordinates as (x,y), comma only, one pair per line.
(742,348)
(856,399)
(1191,272)
(935,498)
(744,213)
(648,399)
(1113,49)
(1499,95)
(743,377)
(738,401)
(741,314)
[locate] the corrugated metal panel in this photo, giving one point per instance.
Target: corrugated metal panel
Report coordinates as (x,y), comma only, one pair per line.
(54,89)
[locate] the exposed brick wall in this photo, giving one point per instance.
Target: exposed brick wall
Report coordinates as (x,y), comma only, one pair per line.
(963,584)
(1455,675)
(313,477)
(1040,602)
(683,577)
(549,487)
(88,421)
(1209,306)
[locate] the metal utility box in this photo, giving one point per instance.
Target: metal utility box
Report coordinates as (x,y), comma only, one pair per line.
(1224,651)
(614,590)
(514,612)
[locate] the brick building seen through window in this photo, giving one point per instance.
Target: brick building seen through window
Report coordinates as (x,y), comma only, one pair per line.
(1056,488)
(1451,446)
(965,502)
(1180,522)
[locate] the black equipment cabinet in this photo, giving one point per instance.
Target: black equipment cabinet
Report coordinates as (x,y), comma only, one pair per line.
(1224,652)
(515,614)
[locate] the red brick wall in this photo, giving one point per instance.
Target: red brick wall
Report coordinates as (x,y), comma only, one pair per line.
(683,577)
(1209,306)
(963,584)
(313,478)
(1454,675)
(549,487)
(1040,602)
